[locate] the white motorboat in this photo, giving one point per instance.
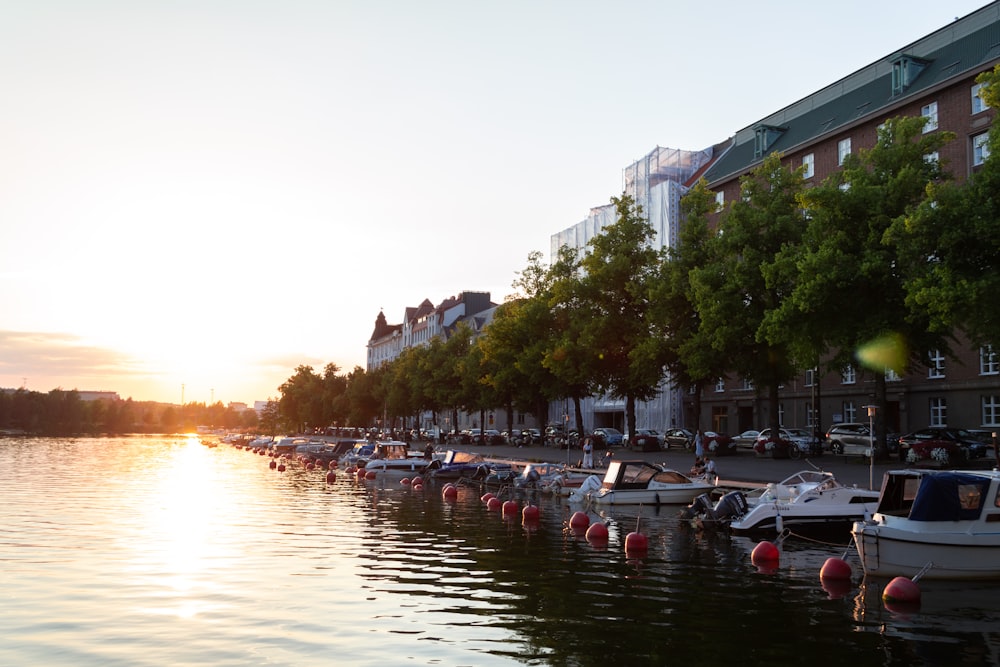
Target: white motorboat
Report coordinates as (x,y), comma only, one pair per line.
(936,523)
(640,483)
(394,459)
(809,500)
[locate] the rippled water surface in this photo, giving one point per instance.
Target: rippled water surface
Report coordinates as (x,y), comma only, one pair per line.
(163,551)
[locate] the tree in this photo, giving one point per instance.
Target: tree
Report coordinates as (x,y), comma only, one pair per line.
(736,290)
(850,298)
(615,290)
(688,353)
(951,242)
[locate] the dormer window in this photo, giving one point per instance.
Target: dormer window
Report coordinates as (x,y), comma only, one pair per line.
(905,70)
(764,137)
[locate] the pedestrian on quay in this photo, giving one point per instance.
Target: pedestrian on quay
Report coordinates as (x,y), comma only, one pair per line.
(699,446)
(588,453)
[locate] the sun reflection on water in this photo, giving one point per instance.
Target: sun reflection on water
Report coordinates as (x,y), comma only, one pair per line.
(181,550)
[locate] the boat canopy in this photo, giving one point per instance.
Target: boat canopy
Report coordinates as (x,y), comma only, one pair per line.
(949,496)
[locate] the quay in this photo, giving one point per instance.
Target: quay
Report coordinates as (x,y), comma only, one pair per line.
(744,469)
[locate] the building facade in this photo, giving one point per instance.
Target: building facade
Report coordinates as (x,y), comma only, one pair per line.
(933,77)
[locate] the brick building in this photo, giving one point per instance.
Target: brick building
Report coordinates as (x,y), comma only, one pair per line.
(933,77)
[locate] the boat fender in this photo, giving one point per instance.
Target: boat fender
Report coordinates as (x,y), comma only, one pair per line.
(779,523)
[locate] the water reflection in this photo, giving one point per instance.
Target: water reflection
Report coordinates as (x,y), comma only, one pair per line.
(163,551)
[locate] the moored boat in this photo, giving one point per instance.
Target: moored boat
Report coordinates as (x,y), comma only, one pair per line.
(394,459)
(640,483)
(941,524)
(808,501)
(457,465)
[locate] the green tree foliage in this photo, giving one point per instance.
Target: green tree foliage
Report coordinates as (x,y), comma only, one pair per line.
(736,289)
(951,242)
(615,290)
(850,300)
(688,352)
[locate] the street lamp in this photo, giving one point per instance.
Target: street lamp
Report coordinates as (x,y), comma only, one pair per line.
(871,445)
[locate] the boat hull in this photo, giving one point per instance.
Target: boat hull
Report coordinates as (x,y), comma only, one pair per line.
(648,496)
(764,518)
(945,552)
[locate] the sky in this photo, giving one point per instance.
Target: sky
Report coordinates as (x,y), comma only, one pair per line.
(199,196)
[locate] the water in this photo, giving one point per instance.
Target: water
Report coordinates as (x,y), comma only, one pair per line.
(162,551)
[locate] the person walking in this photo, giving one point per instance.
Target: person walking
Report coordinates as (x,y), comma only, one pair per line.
(699,446)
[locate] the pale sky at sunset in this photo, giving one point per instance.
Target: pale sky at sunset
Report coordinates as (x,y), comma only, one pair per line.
(209,193)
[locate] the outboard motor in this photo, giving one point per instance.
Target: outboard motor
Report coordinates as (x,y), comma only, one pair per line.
(731,506)
(701,505)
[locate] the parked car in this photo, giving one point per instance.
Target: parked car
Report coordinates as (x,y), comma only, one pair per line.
(678,437)
(746,439)
(802,442)
(647,433)
(608,437)
(849,438)
(944,445)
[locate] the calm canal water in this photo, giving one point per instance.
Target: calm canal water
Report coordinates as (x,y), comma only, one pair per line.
(162,551)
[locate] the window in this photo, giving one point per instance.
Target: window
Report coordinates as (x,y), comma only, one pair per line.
(810,377)
(781,414)
(988,363)
(843,150)
(991,411)
(848,375)
(720,418)
(980,148)
(720,200)
(810,415)
(935,365)
(850,411)
(905,71)
(891,375)
(720,385)
(930,113)
(978,103)
(747,384)
(932,157)
(939,412)
(808,164)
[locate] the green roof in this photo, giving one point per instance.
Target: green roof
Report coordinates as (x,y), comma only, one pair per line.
(965,47)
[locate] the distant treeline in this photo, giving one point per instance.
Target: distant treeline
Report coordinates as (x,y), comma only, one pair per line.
(64,413)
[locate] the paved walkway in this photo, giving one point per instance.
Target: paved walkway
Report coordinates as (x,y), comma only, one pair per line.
(744,466)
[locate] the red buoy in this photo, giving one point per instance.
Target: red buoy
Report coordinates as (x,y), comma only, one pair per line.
(418,487)
(331,477)
(835,568)
(449,492)
(901,590)
(405,481)
(579,521)
(530,513)
(281,467)
(332,465)
(597,533)
(636,543)
(417,480)
(486,497)
(765,553)
(510,508)
(370,474)
(493,504)
(273,464)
